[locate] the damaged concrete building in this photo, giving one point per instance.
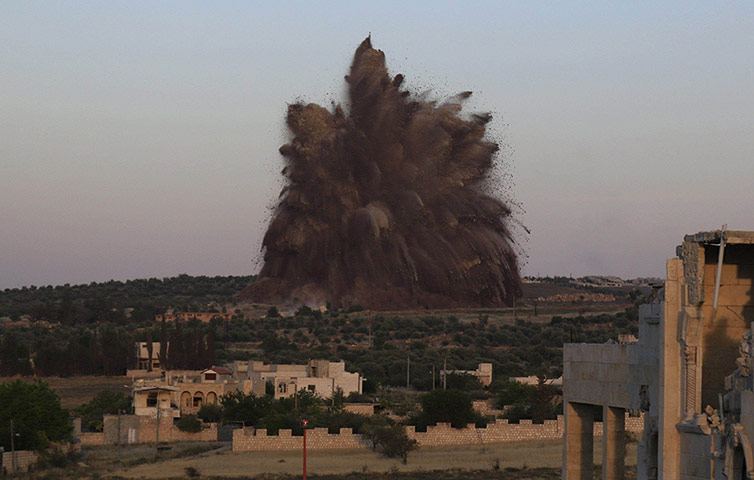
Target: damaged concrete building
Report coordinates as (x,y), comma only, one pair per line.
(690,373)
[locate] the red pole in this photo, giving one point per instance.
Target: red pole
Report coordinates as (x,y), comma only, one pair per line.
(304,422)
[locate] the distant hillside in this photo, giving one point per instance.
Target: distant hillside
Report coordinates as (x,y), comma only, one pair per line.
(116,301)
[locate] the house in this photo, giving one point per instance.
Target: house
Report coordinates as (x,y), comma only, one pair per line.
(319,377)
(155,400)
(204,317)
(188,390)
(690,373)
(483,373)
(147,356)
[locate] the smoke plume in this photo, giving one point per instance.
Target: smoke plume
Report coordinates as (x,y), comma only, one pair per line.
(383,205)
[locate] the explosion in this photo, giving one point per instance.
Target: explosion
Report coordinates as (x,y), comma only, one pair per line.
(384,205)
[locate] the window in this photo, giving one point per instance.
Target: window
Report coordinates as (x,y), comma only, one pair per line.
(152,399)
(210,376)
(281,387)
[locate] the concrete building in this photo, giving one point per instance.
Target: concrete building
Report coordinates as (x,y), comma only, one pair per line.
(147,359)
(483,372)
(204,317)
(148,399)
(185,392)
(689,372)
(320,377)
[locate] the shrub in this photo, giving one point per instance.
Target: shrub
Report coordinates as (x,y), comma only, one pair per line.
(189,424)
(210,412)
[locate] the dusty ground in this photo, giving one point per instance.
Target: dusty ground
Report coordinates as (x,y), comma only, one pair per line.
(531,454)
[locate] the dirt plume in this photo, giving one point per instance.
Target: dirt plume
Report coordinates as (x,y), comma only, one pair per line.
(384,205)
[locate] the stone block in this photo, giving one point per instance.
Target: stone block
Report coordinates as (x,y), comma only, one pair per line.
(729,295)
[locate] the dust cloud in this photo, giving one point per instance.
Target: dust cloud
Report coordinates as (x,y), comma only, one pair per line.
(384,205)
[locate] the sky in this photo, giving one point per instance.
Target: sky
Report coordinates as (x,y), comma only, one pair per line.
(139,139)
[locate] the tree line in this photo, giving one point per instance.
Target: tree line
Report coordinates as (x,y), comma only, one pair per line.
(103,349)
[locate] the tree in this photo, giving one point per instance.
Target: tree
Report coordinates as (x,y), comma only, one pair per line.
(394,442)
(463,381)
(38,418)
(453,406)
(249,409)
(210,412)
(542,396)
(163,354)
(106,402)
(14,355)
(189,423)
(372,428)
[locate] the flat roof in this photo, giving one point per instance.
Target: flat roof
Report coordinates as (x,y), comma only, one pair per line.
(713,236)
(143,389)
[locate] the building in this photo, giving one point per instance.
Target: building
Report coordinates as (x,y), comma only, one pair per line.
(185,392)
(147,358)
(690,373)
(483,372)
(204,317)
(155,400)
(533,381)
(319,377)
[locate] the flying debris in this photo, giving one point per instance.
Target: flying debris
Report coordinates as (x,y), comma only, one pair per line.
(384,205)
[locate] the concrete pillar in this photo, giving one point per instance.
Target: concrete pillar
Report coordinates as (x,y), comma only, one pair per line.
(578,444)
(613,443)
(670,406)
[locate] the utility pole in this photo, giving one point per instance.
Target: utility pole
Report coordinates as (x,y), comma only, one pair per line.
(369,337)
(408,372)
(304,423)
(157,430)
(445,372)
(12,447)
(433,376)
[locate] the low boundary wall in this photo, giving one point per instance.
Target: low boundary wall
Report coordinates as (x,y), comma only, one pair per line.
(130,429)
(251,439)
(25,459)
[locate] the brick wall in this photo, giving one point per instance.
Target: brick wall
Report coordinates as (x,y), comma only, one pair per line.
(486,408)
(92,438)
(171,433)
(24,460)
(129,429)
(250,439)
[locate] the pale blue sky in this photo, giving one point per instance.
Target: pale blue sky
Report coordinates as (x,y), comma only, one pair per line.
(140,139)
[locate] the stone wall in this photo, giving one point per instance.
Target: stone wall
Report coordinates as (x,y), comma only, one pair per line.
(25,459)
(250,439)
(486,408)
(92,438)
(130,429)
(170,433)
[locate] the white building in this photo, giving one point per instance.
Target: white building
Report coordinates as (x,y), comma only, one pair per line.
(320,377)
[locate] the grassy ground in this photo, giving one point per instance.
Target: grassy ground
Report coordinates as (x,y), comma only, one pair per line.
(74,391)
(493,457)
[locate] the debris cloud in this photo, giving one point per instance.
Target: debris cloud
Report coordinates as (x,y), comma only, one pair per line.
(384,205)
